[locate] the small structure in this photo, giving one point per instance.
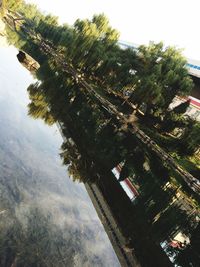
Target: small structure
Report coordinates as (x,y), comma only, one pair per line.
(28,62)
(130,189)
(180,241)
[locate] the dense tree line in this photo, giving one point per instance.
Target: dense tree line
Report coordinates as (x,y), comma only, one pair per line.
(151,76)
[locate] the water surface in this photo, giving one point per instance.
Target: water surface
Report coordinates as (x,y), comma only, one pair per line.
(35,190)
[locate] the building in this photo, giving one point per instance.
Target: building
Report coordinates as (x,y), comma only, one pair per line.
(130,189)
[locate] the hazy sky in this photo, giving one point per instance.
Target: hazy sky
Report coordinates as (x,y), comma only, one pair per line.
(139,21)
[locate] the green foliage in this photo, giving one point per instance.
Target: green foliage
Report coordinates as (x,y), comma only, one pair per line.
(2,9)
(77,165)
(38,108)
(133,164)
(94,141)
(190,139)
(161,75)
(13,38)
(13,4)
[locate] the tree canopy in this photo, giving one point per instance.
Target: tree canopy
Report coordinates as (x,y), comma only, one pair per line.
(94,140)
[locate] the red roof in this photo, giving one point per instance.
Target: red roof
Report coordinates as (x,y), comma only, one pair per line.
(195,102)
(131,187)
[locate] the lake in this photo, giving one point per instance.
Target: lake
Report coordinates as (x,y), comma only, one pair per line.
(45,218)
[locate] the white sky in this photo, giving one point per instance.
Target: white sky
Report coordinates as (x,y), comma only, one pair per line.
(175,22)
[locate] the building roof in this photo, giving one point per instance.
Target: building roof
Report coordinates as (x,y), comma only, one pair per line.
(194,67)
